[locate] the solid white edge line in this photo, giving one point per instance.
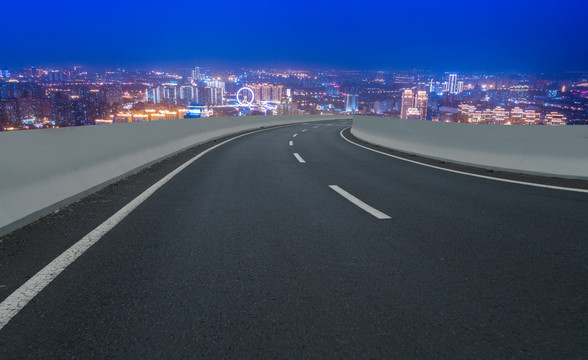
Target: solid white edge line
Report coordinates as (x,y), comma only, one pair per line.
(375,212)
(291,143)
(294,135)
(299,158)
(466,173)
(26,292)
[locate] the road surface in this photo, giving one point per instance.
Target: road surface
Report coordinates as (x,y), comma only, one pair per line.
(294,243)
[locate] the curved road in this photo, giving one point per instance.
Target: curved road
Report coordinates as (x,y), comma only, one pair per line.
(251,253)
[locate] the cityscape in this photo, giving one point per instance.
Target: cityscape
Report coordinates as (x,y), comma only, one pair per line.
(42,97)
(294,180)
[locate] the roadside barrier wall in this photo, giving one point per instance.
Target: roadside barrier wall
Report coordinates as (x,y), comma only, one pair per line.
(44,170)
(555,151)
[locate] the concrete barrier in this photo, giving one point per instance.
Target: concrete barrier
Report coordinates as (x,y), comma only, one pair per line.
(43,170)
(556,151)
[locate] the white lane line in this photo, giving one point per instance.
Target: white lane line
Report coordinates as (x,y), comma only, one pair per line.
(315,127)
(294,135)
(291,143)
(299,158)
(375,212)
(466,173)
(21,296)
(303,130)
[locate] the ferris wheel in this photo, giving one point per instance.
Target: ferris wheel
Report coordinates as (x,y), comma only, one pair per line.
(245,96)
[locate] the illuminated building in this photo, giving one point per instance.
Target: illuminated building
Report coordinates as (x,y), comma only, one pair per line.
(531,117)
(476,117)
(154,95)
(452,84)
(555,118)
(487,116)
(407,102)
(267,92)
(196,76)
(519,92)
(413,113)
(381,107)
(61,109)
(459,87)
(500,116)
(465,113)
(351,103)
(8,111)
(103,121)
(112,94)
(188,94)
(516,116)
(420,102)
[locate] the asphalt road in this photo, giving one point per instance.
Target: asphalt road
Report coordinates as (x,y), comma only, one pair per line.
(249,253)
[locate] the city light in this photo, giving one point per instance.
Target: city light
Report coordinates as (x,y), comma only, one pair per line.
(33,98)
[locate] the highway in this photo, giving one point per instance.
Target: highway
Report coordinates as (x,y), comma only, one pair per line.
(293,243)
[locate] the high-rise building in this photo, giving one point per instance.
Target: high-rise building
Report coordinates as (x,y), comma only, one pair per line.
(351,103)
(61,109)
(420,102)
(413,113)
(452,84)
(459,87)
(8,111)
(445,86)
(188,94)
(407,102)
(196,76)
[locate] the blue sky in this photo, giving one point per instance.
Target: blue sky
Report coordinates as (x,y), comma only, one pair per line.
(459,35)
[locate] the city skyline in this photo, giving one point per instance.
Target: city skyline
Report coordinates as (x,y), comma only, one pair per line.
(538,36)
(34,97)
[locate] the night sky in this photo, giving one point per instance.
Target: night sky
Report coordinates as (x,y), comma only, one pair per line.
(452,35)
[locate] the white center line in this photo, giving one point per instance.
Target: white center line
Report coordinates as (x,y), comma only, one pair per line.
(299,158)
(466,173)
(304,130)
(359,203)
(26,292)
(291,143)
(294,135)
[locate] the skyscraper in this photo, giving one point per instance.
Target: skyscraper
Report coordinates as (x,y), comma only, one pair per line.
(420,103)
(351,103)
(407,102)
(196,74)
(452,84)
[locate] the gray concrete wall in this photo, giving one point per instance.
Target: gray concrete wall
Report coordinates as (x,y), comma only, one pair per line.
(43,170)
(559,151)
